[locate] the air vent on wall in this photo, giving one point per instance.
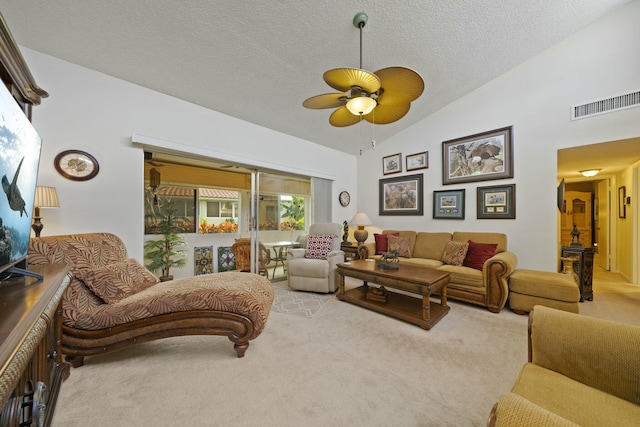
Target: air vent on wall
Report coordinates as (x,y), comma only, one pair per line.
(608,105)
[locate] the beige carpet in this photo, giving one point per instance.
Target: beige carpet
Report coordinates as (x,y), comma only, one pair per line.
(345,366)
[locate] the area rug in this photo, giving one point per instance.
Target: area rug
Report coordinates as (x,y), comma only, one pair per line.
(304,304)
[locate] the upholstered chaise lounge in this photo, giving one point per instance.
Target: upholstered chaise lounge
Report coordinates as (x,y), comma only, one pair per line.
(140,308)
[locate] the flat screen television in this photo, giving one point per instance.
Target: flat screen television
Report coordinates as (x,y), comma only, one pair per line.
(19,159)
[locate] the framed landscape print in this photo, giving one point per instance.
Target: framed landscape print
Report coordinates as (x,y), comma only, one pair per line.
(479,157)
(497,202)
(401,195)
(392,164)
(448,204)
(417,161)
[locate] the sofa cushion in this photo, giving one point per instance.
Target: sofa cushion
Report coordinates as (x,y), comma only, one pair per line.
(382,242)
(430,245)
(455,253)
(482,237)
(118,280)
(573,400)
(400,244)
(318,246)
(478,254)
(461,275)
(410,234)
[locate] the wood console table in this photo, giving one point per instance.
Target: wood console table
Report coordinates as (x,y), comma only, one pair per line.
(583,267)
(31,366)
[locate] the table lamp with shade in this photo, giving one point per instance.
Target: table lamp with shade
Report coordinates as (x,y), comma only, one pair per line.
(360,220)
(46,197)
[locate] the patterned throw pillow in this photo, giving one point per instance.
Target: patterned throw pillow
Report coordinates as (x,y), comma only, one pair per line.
(318,246)
(382,242)
(117,281)
(455,253)
(400,244)
(478,253)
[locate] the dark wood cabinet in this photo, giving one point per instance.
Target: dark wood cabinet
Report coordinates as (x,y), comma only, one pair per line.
(583,266)
(31,366)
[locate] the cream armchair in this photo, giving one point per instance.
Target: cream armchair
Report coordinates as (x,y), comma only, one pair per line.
(309,269)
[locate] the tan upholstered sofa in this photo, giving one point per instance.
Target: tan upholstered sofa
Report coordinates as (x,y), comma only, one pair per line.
(581,371)
(487,287)
(140,308)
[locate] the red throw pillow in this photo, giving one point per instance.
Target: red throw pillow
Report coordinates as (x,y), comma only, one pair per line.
(478,253)
(382,242)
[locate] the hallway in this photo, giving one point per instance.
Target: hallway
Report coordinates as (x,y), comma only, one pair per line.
(613,298)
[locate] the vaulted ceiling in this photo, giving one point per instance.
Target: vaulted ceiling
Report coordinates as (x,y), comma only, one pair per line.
(258,61)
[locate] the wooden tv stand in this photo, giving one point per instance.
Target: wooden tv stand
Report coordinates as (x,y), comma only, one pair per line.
(31,366)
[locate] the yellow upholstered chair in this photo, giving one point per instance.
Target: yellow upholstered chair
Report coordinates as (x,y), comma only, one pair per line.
(242,250)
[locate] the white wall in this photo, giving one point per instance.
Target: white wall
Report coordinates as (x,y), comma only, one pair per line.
(99,114)
(535,99)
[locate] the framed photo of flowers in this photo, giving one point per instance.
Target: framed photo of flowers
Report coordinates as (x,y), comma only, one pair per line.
(480,157)
(448,204)
(497,202)
(392,164)
(401,195)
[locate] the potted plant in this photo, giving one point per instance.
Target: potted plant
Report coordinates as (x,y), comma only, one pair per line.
(165,253)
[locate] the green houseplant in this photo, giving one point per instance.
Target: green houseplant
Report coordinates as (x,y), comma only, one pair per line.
(165,252)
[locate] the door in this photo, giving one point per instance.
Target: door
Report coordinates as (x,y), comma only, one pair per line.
(577,212)
(602,225)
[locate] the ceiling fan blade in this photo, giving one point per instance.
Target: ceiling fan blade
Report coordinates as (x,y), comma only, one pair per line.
(401,85)
(327,100)
(343,117)
(344,78)
(385,114)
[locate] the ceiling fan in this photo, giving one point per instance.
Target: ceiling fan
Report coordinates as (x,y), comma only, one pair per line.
(380,98)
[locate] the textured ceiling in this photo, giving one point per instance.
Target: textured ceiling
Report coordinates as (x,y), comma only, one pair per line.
(258,60)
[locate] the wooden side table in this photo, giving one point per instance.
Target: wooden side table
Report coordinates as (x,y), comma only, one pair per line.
(350,251)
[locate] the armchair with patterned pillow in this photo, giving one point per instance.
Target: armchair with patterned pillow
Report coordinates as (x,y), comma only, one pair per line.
(314,267)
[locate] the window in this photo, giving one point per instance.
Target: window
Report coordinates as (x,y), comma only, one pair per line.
(176,203)
(218,210)
(209,200)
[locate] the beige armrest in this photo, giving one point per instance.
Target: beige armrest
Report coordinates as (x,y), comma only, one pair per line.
(512,410)
(509,260)
(370,247)
(599,353)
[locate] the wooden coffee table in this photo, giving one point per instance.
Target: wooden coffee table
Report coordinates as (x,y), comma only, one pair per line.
(416,280)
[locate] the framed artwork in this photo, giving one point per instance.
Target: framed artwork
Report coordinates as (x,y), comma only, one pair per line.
(401,195)
(497,202)
(448,204)
(226,259)
(392,164)
(622,208)
(203,260)
(561,188)
(480,157)
(417,161)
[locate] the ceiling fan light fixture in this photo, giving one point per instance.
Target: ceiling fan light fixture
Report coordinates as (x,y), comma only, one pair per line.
(361,105)
(590,172)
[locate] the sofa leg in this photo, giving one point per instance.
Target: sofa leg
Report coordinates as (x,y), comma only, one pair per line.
(240,348)
(521,312)
(75,361)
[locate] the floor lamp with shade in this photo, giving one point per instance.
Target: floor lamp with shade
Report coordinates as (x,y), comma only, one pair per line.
(46,197)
